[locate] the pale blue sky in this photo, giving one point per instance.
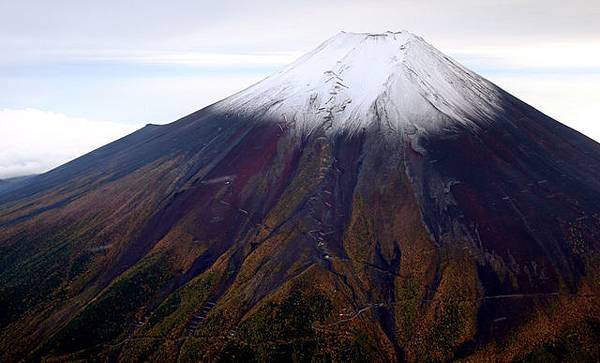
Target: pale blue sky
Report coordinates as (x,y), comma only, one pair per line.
(119,64)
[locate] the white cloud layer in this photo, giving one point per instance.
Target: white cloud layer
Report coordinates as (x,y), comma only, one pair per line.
(564,56)
(34,141)
(196,59)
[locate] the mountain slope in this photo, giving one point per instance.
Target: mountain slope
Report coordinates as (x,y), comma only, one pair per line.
(374,200)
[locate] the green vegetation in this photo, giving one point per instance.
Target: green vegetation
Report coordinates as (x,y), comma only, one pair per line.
(36,279)
(578,344)
(408,296)
(171,316)
(281,331)
(157,339)
(108,317)
(80,265)
(360,348)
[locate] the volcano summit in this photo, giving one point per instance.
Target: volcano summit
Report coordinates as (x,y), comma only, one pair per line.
(374,200)
(351,77)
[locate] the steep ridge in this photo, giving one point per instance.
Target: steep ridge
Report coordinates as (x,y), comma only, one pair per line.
(373,200)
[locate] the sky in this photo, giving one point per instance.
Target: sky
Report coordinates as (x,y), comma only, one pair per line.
(75,75)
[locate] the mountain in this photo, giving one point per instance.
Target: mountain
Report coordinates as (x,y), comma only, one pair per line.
(12,182)
(373,201)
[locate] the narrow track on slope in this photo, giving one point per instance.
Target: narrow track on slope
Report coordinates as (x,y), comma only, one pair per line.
(327,328)
(356,313)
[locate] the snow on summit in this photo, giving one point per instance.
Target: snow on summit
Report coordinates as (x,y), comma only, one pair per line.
(355,79)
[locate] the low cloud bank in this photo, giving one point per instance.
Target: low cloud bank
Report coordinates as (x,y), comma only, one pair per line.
(34,141)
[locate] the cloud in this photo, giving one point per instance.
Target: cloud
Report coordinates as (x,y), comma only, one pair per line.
(190,58)
(204,59)
(268,25)
(564,56)
(118,96)
(34,141)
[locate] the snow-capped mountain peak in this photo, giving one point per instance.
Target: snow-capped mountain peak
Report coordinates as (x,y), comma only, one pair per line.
(355,79)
